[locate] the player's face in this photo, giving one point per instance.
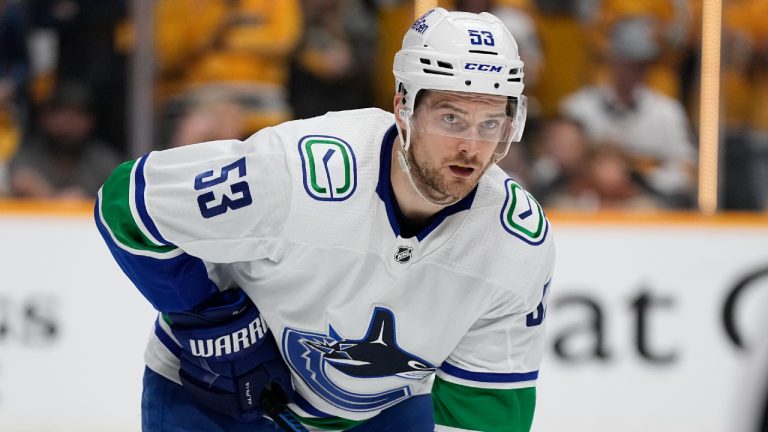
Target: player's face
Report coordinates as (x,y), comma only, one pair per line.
(454,138)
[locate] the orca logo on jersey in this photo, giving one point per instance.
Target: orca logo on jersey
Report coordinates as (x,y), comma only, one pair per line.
(522,216)
(317,358)
(403,254)
(329,167)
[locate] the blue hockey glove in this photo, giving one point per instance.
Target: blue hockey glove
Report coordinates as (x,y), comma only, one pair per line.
(229,359)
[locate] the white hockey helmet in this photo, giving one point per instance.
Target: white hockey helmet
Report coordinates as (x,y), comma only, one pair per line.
(462,52)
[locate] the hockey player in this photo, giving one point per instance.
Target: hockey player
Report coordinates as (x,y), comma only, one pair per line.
(374,272)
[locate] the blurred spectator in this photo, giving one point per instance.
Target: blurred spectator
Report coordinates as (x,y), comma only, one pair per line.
(516,165)
(567,64)
(331,69)
(14,76)
(651,127)
(240,45)
(208,116)
(61,158)
(14,61)
(560,156)
(89,50)
(745,65)
(670,22)
(605,184)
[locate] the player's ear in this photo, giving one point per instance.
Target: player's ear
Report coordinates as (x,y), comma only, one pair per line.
(399,109)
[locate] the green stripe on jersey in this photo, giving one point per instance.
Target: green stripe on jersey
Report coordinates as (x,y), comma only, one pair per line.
(332,423)
(481,409)
(116,210)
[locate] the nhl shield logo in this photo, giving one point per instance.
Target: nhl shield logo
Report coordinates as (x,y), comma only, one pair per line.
(403,254)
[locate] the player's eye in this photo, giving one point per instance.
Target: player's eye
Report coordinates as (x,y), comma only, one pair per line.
(450,118)
(453,123)
(490,124)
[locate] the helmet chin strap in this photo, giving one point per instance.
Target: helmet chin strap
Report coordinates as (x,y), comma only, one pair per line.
(402,159)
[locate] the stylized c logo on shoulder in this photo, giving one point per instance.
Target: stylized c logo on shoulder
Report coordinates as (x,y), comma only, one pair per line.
(329,167)
(522,216)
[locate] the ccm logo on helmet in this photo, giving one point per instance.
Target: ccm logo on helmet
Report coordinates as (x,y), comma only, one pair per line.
(482,67)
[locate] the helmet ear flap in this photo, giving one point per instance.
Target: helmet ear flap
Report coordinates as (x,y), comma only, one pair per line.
(404,111)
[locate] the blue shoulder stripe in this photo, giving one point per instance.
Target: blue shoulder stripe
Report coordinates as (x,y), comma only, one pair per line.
(488,377)
(171,284)
(141,205)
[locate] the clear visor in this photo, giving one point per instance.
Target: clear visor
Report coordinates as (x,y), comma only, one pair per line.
(470,116)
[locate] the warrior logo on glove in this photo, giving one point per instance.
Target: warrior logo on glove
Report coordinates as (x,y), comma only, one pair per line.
(227,356)
(230,343)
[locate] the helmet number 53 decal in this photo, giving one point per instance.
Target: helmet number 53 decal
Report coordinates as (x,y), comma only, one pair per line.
(481,37)
(240,192)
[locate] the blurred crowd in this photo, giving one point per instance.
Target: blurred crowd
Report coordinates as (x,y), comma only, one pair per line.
(612,85)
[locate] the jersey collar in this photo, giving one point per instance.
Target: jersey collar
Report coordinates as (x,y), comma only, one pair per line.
(387,195)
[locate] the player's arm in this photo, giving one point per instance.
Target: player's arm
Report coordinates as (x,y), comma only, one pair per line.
(488,383)
(164,213)
(152,212)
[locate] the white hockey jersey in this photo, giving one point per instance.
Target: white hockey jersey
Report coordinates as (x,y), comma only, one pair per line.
(301,217)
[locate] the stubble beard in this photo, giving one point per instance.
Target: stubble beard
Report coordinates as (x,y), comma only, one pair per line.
(438,187)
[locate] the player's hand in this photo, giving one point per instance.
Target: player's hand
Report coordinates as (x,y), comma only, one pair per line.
(228,356)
